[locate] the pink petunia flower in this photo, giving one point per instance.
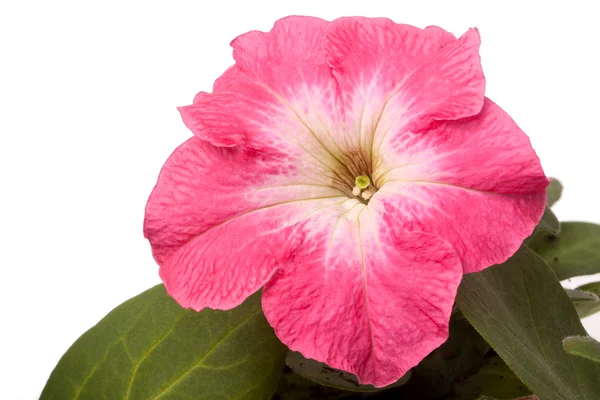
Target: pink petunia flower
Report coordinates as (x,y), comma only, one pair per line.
(354,169)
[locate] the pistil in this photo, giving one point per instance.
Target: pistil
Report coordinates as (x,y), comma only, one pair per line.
(363,188)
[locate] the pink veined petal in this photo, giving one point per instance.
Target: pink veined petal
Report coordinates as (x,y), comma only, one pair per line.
(279,94)
(488,152)
(222,266)
(365,49)
(394,76)
(485,228)
(217,220)
(449,87)
(232,76)
(364,297)
(286,58)
(475,182)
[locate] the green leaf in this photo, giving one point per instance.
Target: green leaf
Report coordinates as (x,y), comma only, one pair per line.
(575,251)
(523,312)
(294,386)
(554,191)
(151,348)
(583,346)
(323,374)
(586,303)
(549,222)
(494,379)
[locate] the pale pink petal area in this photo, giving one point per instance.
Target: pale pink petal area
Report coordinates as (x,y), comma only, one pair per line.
(488,152)
(485,228)
(363,296)
(215,215)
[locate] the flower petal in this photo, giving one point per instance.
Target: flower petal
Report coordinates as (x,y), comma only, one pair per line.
(475,182)
(217,220)
(488,152)
(280,94)
(485,228)
(364,297)
(365,49)
(393,76)
(287,57)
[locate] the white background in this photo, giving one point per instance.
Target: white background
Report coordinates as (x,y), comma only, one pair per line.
(87,117)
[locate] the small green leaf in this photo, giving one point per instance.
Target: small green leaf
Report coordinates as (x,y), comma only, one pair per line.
(151,348)
(523,312)
(575,251)
(583,346)
(554,191)
(577,295)
(323,374)
(593,287)
(586,303)
(494,379)
(549,222)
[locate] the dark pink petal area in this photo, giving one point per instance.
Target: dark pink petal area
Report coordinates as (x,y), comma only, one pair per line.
(222,266)
(217,220)
(364,297)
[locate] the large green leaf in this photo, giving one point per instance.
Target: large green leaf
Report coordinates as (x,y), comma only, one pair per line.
(583,346)
(554,191)
(151,348)
(575,251)
(494,379)
(520,308)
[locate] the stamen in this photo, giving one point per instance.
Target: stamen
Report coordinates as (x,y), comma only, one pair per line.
(367,194)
